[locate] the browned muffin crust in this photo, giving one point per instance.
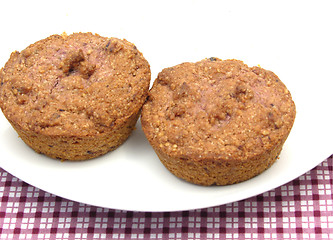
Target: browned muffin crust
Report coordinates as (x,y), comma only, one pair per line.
(217,122)
(74,96)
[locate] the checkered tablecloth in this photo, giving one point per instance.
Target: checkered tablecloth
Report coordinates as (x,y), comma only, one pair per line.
(301,209)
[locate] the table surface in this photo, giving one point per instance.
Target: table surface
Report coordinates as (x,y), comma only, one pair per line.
(300,209)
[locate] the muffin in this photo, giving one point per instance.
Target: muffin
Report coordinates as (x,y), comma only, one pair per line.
(217,122)
(74,97)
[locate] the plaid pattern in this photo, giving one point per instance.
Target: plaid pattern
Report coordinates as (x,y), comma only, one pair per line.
(301,209)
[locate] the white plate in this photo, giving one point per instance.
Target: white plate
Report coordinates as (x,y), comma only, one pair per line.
(293,40)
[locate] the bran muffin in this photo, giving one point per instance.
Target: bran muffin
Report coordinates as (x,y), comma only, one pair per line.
(217,122)
(74,97)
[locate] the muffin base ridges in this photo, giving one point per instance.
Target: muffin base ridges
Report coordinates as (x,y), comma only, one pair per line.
(78,148)
(218,171)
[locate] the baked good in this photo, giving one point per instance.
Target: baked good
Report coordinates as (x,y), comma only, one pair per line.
(217,122)
(74,96)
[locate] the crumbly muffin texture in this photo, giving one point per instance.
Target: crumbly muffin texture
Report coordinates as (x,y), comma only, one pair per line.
(217,113)
(72,87)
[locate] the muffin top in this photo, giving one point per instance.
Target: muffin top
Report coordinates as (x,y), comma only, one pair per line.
(216,109)
(80,84)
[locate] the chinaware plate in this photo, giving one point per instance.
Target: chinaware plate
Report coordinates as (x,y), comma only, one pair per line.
(285,40)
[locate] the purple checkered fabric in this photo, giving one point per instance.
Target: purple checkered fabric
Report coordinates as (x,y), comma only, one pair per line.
(301,209)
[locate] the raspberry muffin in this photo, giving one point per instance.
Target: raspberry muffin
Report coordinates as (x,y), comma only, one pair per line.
(217,122)
(74,97)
